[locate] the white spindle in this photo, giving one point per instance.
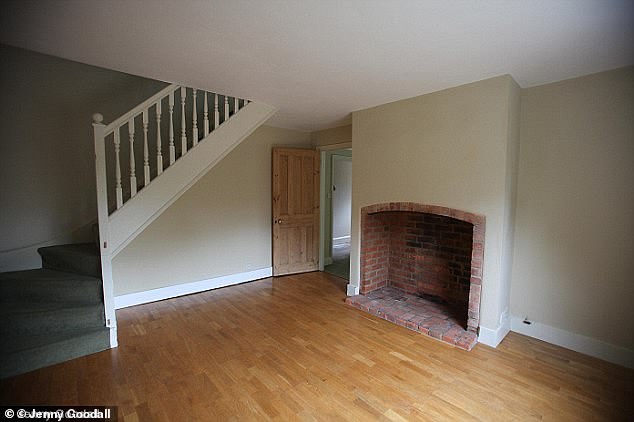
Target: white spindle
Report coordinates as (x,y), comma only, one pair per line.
(205,116)
(235,105)
(146,151)
(216,112)
(132,162)
(226,109)
(159,149)
(172,148)
(194,120)
(117,163)
(183,133)
(244,103)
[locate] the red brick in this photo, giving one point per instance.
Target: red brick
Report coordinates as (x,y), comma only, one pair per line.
(419,260)
(453,334)
(467,341)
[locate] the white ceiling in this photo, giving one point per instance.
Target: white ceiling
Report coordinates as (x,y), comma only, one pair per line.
(319,60)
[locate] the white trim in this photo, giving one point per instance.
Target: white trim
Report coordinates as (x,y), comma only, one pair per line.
(162,293)
(113,337)
(340,240)
(493,337)
(573,341)
(352,289)
(104,232)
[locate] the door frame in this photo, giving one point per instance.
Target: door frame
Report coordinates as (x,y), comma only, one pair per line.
(323,149)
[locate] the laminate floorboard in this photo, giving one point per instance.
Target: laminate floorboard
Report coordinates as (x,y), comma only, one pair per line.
(288,348)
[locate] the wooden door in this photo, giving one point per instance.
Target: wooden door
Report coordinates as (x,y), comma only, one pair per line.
(295,210)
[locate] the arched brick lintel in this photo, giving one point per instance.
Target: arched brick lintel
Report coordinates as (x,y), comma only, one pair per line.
(469,217)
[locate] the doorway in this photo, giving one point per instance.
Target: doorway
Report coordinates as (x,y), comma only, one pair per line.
(337,211)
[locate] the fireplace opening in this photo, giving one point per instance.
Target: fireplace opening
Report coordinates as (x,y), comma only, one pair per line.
(421,267)
(432,298)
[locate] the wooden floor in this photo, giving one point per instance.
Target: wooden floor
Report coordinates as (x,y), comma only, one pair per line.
(289,348)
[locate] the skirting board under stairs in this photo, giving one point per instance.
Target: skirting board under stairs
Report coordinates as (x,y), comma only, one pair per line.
(168,292)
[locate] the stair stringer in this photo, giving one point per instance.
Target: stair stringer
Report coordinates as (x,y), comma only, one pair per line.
(139,212)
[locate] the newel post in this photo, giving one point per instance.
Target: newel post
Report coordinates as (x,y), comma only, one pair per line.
(102,215)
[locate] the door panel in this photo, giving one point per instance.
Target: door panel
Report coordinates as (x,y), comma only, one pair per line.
(295,210)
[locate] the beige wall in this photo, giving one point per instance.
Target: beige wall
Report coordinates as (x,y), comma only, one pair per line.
(47,177)
(511,183)
(221,226)
(574,249)
(332,136)
(449,148)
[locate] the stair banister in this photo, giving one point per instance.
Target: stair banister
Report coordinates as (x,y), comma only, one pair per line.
(205,116)
(159,148)
(194,119)
(183,125)
(216,112)
(139,108)
(133,187)
(144,203)
(117,169)
(146,150)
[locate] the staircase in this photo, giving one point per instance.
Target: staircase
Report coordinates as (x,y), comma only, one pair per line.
(226,121)
(66,309)
(52,314)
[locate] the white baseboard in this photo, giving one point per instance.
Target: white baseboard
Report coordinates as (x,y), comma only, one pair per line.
(352,289)
(113,337)
(343,240)
(154,295)
(493,337)
(577,342)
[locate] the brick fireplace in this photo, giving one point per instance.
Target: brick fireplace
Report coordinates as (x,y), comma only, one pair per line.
(421,267)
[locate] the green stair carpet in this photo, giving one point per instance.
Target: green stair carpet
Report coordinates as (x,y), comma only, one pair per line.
(52,314)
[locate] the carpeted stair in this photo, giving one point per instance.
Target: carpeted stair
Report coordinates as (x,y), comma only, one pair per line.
(80,258)
(52,314)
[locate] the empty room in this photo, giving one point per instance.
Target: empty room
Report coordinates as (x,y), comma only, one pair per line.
(317,210)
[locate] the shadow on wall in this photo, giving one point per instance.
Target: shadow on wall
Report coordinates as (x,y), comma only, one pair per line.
(48,182)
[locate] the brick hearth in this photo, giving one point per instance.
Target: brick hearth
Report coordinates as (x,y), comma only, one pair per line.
(423,262)
(418,314)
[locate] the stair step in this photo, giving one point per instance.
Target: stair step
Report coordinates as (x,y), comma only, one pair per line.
(46,285)
(19,319)
(79,258)
(26,353)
